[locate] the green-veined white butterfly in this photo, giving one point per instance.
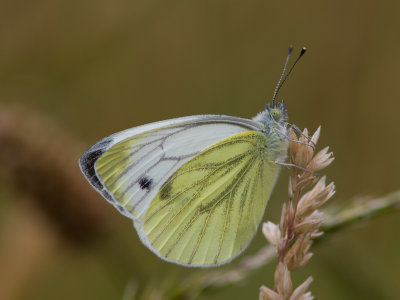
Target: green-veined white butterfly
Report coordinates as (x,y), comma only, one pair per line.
(195,187)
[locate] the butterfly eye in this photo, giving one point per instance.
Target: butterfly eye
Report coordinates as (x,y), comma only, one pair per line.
(276,113)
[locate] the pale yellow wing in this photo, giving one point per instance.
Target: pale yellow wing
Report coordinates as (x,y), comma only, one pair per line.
(207,212)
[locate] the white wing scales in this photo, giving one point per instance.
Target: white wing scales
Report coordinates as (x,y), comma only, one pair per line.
(128,168)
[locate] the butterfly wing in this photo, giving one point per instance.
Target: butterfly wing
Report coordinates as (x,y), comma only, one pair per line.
(195,187)
(207,212)
(129,167)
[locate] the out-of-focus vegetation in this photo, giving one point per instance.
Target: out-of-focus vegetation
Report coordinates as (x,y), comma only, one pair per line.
(72,72)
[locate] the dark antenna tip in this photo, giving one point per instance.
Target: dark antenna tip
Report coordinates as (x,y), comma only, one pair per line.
(281,82)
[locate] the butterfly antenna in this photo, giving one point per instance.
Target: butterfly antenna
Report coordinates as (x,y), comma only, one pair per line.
(280,84)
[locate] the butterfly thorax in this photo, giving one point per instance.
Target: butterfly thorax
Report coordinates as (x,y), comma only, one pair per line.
(273,123)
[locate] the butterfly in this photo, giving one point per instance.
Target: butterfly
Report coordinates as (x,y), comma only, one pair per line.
(195,187)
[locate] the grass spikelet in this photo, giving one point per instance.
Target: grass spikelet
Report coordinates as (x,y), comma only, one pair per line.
(300,218)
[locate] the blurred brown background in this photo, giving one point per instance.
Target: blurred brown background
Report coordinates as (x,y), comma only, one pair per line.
(72,72)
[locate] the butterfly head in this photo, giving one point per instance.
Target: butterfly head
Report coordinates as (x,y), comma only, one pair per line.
(277,111)
(274,116)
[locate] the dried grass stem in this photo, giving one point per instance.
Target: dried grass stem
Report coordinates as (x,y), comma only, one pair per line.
(300,218)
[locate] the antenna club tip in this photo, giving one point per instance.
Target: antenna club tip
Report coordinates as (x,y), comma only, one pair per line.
(290,49)
(303,50)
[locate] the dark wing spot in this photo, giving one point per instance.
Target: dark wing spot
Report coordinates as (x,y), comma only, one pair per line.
(145,183)
(107,195)
(166,191)
(121,208)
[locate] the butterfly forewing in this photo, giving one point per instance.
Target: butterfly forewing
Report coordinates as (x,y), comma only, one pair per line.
(129,168)
(208,210)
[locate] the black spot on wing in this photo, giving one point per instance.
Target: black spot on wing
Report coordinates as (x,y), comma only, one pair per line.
(145,183)
(88,160)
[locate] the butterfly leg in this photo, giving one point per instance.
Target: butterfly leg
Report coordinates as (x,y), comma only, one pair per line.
(297,129)
(294,141)
(294,166)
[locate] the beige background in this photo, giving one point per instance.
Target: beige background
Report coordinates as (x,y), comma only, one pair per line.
(80,70)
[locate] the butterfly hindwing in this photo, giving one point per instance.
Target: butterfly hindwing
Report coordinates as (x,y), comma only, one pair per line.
(209,209)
